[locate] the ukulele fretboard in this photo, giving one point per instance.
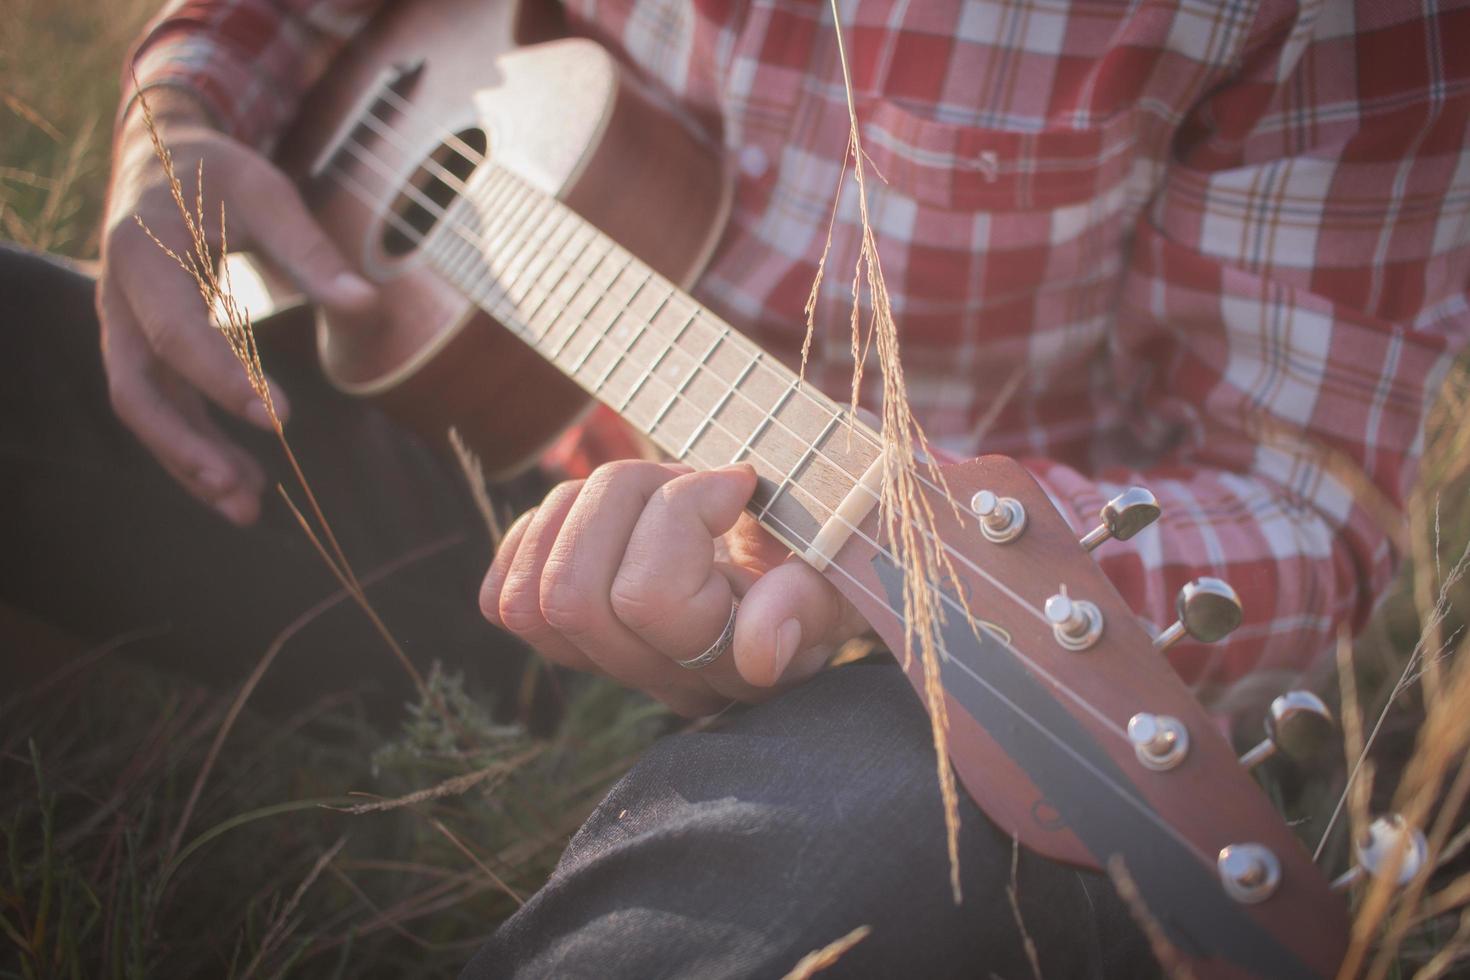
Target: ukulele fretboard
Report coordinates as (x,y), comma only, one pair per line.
(704,393)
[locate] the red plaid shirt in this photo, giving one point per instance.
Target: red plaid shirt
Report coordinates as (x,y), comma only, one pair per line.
(1214,247)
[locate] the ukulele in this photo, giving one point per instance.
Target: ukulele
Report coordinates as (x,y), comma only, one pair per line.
(495,179)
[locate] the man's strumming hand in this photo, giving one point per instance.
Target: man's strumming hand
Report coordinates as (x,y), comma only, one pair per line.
(164,361)
(635,568)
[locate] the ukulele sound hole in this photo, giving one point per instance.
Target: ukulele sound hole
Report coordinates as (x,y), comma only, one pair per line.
(431,190)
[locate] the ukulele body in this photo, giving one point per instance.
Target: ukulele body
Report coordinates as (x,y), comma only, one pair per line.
(558,111)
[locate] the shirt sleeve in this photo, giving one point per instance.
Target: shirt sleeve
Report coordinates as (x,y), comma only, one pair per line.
(249,61)
(1294,299)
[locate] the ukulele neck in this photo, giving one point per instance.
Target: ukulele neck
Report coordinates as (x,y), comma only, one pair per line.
(700,390)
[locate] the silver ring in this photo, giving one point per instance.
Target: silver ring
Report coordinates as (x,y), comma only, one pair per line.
(717,648)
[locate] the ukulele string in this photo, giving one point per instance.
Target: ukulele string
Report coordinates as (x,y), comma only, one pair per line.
(520,194)
(821,505)
(477,159)
(528,194)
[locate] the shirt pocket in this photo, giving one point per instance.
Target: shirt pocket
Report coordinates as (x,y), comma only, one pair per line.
(960,167)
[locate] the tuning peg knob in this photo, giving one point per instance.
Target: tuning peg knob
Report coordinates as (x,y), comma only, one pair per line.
(1002,519)
(1251,873)
(1208,610)
(1384,837)
(1159,741)
(1300,727)
(1076,623)
(1124,516)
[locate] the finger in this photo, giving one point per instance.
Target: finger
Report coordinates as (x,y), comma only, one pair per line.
(667,588)
(788,622)
(279,224)
(168,310)
(200,458)
(518,606)
(490,586)
(577,584)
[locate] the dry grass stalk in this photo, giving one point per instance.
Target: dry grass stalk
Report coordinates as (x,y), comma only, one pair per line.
(1171,961)
(474,475)
(464,849)
(1452,952)
(1441,746)
(905,511)
(821,959)
(267,658)
(449,787)
(202,263)
(281,925)
(1011,894)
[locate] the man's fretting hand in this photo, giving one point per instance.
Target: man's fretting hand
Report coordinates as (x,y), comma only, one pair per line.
(162,356)
(634,568)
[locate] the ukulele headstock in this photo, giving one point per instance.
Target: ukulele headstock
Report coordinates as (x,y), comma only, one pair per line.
(1072,731)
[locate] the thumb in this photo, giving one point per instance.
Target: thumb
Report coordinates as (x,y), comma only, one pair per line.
(278,222)
(788,622)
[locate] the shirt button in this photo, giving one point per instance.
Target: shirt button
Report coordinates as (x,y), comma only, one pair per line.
(753,162)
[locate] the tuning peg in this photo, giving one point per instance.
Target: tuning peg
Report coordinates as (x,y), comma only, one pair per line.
(1124,516)
(1161,742)
(1384,837)
(1208,610)
(1299,727)
(1076,623)
(1002,519)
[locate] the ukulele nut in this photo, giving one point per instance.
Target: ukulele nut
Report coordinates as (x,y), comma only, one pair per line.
(1076,623)
(1249,872)
(1002,519)
(1159,741)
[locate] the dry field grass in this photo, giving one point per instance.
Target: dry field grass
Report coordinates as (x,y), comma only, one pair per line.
(131,846)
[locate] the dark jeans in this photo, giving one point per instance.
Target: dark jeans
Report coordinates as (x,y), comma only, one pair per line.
(95,537)
(730,852)
(735,852)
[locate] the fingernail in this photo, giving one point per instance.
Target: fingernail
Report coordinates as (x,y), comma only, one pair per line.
(258,414)
(788,640)
(352,289)
(236,509)
(215,480)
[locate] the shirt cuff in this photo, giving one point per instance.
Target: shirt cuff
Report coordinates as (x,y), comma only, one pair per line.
(239,103)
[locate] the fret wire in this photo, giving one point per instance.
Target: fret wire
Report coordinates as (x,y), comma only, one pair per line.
(801,461)
(517,257)
(505,213)
(723,399)
(533,335)
(643,327)
(581,320)
(766,419)
(648,371)
(525,266)
(622,310)
(509,313)
(535,311)
(518,237)
(689,377)
(369,198)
